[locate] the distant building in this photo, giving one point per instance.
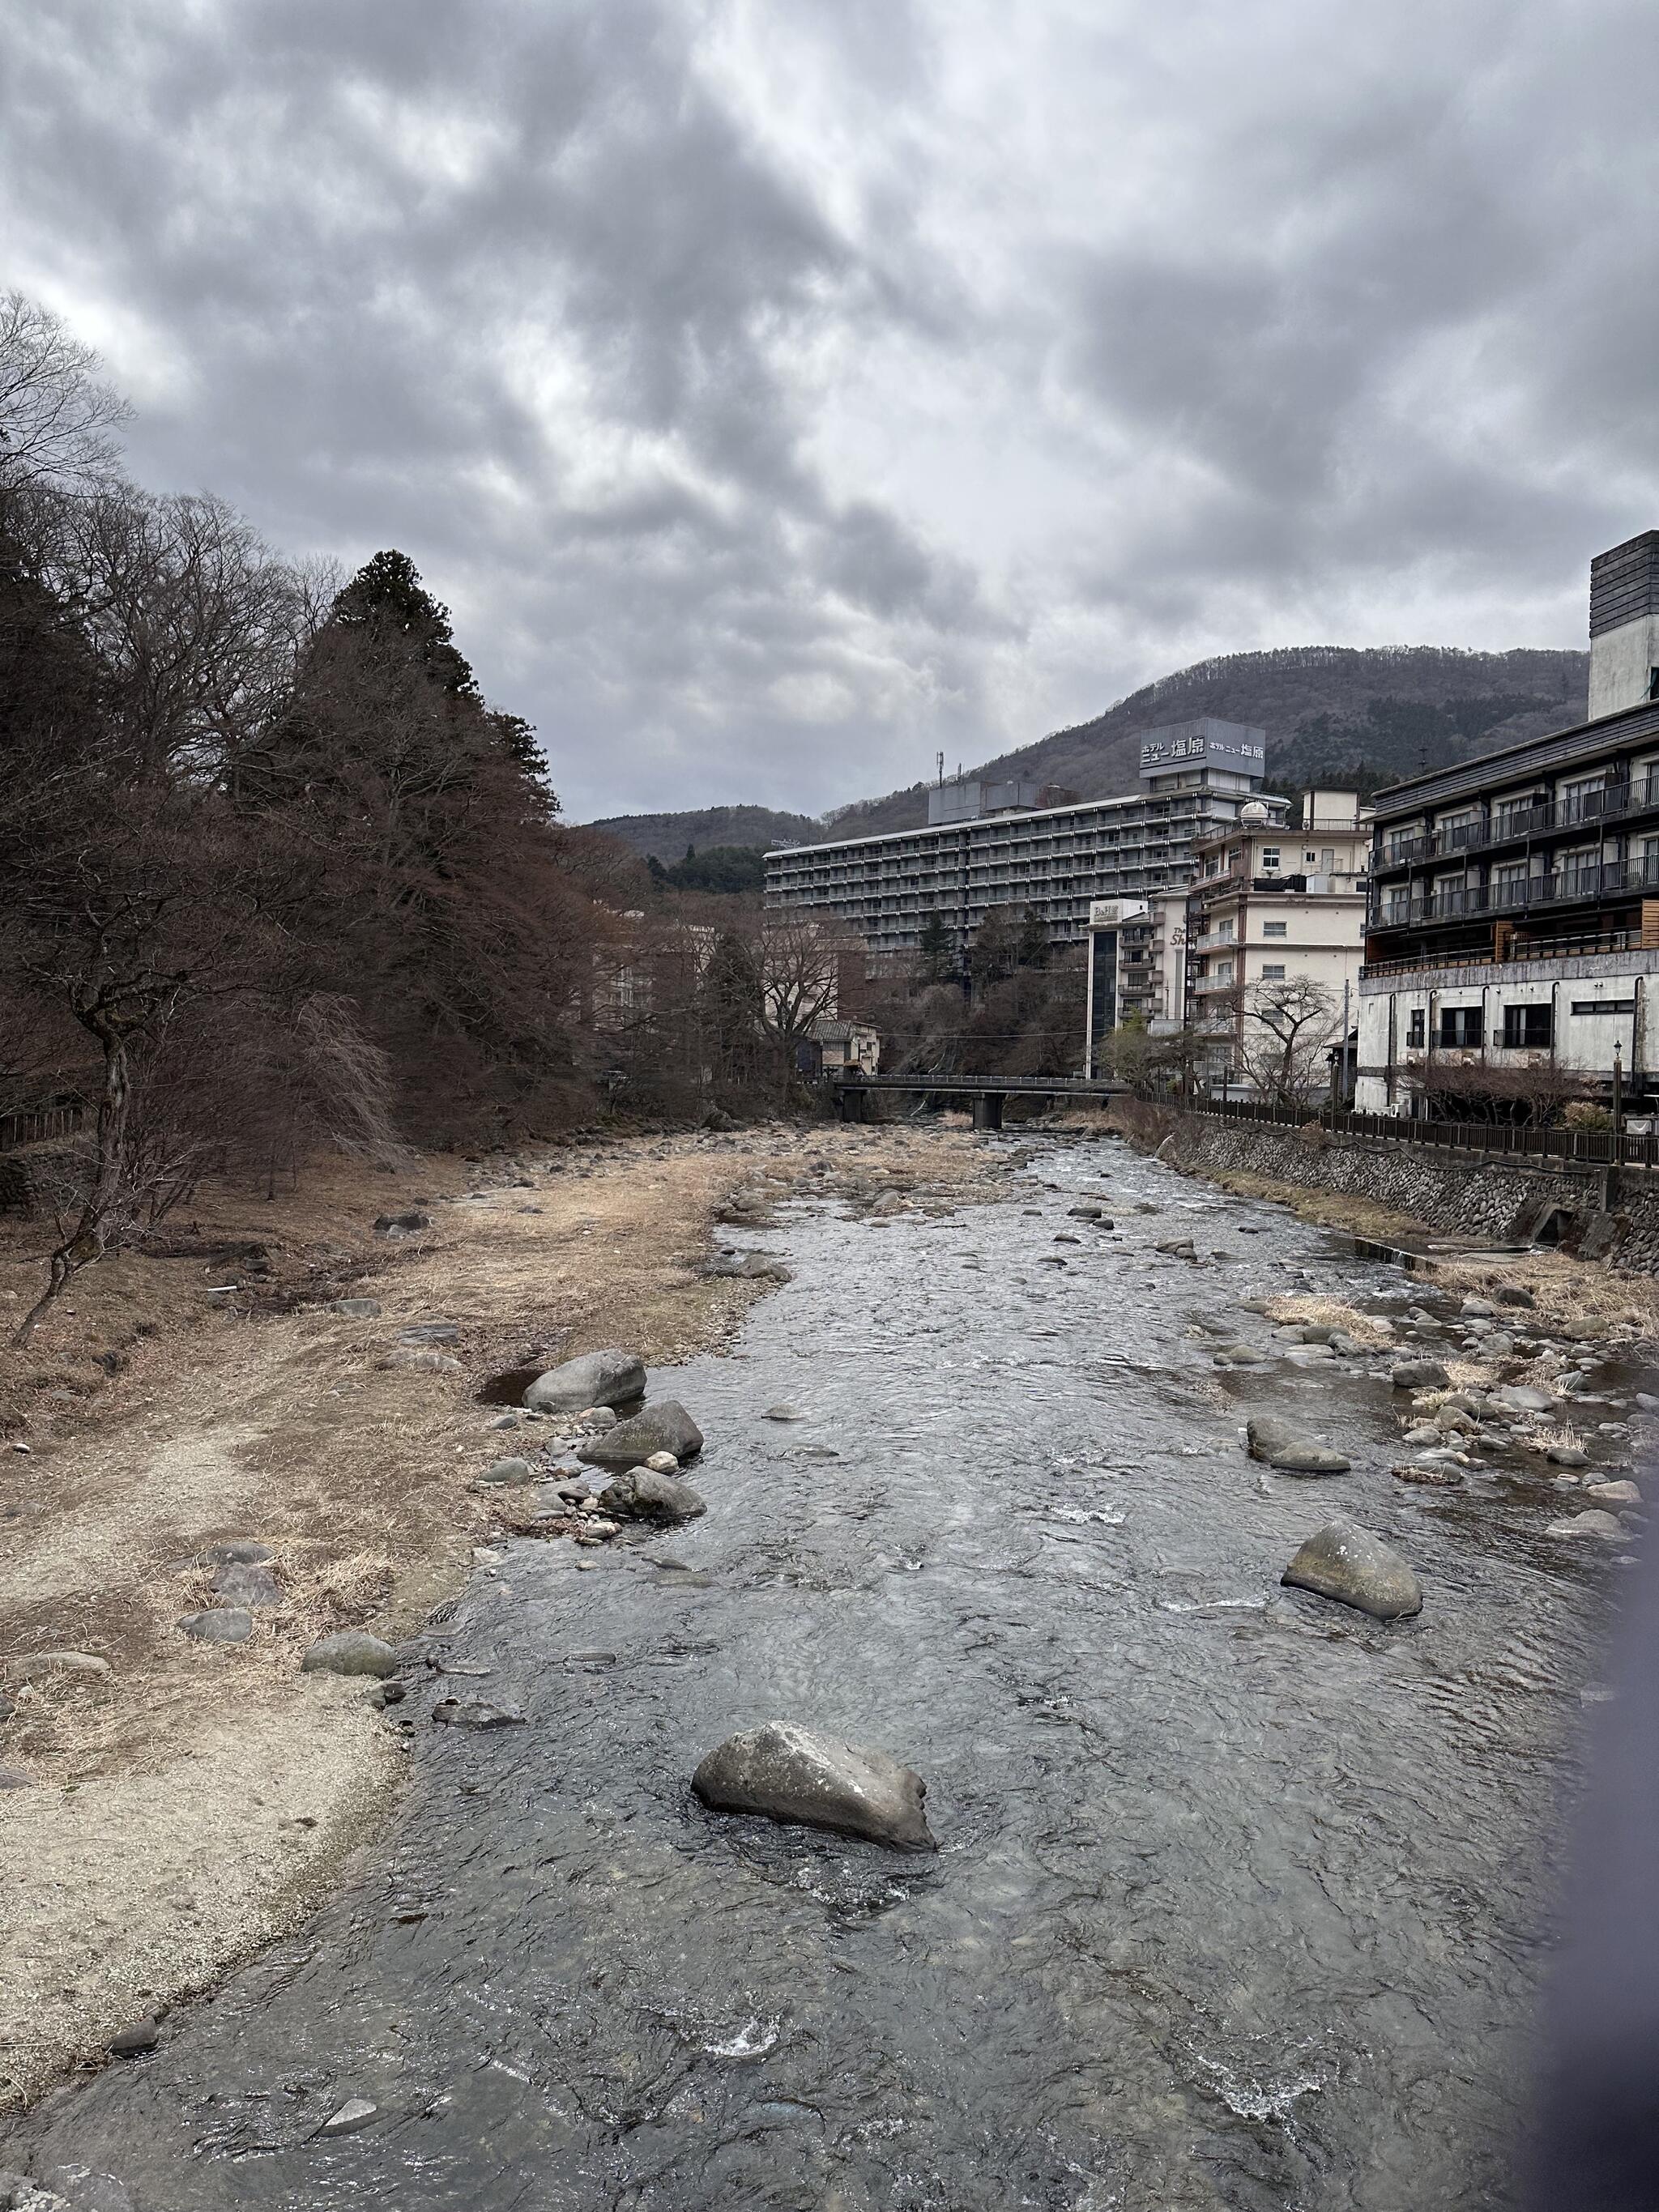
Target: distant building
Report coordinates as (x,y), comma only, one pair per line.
(1513,922)
(846,1047)
(1057,860)
(1270,907)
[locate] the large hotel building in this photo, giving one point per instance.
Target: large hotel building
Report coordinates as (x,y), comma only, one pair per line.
(992,845)
(1513,912)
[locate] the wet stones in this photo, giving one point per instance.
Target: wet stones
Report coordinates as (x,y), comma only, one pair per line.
(473,1713)
(783,1413)
(1282,1448)
(646,1494)
(596,1379)
(1344,1562)
(349,1651)
(1607,1527)
(1428,1474)
(789,1773)
(663,1427)
(356,2114)
(1613,1493)
(1418,1375)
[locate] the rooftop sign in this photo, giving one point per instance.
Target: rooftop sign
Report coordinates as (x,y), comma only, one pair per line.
(1206,742)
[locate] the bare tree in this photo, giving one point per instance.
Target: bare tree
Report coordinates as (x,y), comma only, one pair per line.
(56,412)
(799,968)
(1287,1030)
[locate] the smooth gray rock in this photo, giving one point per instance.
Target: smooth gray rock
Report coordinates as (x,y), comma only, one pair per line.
(40,1666)
(665,1427)
(358,1308)
(790,1773)
(251,1586)
(134,2039)
(1418,1375)
(13,1777)
(1521,1398)
(238,1552)
(1607,1526)
(1613,1493)
(1281,1447)
(508,1471)
(644,1494)
(1346,1562)
(402,1224)
(349,1651)
(220,1624)
(596,1379)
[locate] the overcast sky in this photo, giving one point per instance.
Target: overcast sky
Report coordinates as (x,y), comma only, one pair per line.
(778,389)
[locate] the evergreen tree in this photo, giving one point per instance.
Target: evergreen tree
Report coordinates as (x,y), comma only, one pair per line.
(387,594)
(935,948)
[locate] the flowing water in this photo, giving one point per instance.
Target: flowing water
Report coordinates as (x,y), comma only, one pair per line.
(1240,1895)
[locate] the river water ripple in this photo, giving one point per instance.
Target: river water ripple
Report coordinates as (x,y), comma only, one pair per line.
(1240,1895)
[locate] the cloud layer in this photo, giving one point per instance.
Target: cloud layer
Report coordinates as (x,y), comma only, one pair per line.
(779,394)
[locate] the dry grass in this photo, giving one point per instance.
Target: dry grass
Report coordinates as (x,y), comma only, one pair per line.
(158,1840)
(1329,1313)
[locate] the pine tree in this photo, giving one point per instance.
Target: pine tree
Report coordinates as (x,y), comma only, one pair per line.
(388,593)
(935,948)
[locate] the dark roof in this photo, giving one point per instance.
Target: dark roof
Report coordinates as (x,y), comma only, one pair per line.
(1632,726)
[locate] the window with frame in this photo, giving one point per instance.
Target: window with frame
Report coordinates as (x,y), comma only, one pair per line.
(1272,971)
(1460,1027)
(1416,1029)
(1269,858)
(1604,1006)
(1529,1028)
(1275,929)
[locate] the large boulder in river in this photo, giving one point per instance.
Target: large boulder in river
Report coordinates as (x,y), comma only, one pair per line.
(1346,1562)
(598,1378)
(1418,1375)
(789,1773)
(646,1494)
(1282,1448)
(665,1427)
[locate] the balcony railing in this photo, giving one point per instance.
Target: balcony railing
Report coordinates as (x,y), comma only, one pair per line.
(1528,892)
(1518,948)
(1503,828)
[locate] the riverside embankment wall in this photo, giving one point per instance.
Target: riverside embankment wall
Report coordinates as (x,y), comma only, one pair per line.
(1462,1192)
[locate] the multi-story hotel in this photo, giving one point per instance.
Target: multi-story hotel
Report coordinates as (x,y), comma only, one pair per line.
(1513,908)
(986,845)
(1271,906)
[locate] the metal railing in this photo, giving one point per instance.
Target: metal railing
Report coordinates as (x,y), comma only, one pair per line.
(1577,945)
(1504,827)
(1520,896)
(1585,1147)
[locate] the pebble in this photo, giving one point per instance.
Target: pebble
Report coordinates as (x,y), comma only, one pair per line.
(37,1665)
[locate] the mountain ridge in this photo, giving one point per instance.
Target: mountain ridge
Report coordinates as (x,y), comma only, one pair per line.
(1333,714)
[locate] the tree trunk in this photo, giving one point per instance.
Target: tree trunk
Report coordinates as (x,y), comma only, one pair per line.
(89,1238)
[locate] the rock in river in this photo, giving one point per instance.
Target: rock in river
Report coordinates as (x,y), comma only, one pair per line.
(1346,1562)
(1607,1526)
(644,1494)
(1282,1448)
(598,1378)
(665,1427)
(1420,1375)
(789,1773)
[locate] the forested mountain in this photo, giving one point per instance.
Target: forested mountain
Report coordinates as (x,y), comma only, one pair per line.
(666,837)
(1333,714)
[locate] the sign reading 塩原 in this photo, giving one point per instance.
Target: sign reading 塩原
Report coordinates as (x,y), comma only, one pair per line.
(1206,742)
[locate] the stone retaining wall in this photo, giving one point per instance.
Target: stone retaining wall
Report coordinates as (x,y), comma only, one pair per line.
(1466,1196)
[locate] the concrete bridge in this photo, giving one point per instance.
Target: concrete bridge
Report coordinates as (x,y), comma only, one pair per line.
(986,1093)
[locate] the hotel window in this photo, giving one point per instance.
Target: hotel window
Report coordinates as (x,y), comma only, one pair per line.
(1583,800)
(1528,1027)
(1269,859)
(1604,1006)
(1275,929)
(1460,1027)
(1416,1029)
(1272,971)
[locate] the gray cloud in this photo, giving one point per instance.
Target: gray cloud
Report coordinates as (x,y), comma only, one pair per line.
(775,395)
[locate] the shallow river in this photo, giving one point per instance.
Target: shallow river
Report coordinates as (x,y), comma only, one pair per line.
(1240,1896)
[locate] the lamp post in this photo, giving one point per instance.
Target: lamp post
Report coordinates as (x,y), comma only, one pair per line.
(1617,1098)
